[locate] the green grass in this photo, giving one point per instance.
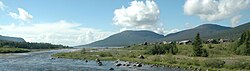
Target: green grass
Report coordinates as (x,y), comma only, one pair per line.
(220,57)
(13,50)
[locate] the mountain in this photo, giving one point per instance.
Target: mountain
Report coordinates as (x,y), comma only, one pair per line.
(233,33)
(127,38)
(15,39)
(204,30)
(208,31)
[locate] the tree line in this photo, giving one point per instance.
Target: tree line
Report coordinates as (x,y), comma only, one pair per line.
(239,47)
(29,45)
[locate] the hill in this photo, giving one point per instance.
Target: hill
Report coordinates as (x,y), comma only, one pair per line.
(127,38)
(15,39)
(208,31)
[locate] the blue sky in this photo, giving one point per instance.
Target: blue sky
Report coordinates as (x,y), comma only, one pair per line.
(85,21)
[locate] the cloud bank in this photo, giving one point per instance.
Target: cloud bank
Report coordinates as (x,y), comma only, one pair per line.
(138,16)
(215,10)
(2,6)
(61,32)
(235,20)
(23,15)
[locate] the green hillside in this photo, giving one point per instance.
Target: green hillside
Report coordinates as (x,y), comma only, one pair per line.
(127,38)
(207,31)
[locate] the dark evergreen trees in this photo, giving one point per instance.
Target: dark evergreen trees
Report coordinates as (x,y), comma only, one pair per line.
(243,45)
(162,49)
(173,49)
(197,47)
(28,45)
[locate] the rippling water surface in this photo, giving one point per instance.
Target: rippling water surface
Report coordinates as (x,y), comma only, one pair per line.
(41,61)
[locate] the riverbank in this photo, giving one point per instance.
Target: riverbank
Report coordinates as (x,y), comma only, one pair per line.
(42,61)
(220,58)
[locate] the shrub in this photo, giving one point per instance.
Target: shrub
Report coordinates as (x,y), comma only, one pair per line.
(204,53)
(105,54)
(173,48)
(83,51)
(162,49)
(210,46)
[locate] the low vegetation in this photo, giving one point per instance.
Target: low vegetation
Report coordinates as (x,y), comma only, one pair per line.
(20,47)
(226,56)
(12,50)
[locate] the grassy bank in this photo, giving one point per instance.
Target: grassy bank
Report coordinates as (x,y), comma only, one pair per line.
(13,50)
(220,57)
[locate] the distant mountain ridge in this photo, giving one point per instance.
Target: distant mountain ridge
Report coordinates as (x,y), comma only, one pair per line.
(207,31)
(127,38)
(15,39)
(204,30)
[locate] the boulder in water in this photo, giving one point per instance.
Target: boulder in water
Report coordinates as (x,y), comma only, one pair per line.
(111,69)
(97,60)
(139,65)
(52,58)
(99,63)
(118,64)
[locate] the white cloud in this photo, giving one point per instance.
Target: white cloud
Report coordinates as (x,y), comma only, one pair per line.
(61,32)
(215,10)
(2,6)
(23,15)
(235,20)
(139,16)
(173,31)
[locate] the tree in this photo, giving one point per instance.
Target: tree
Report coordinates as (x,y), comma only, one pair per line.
(174,48)
(162,49)
(197,47)
(243,45)
(83,51)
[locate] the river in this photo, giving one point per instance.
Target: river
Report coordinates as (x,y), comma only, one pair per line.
(41,61)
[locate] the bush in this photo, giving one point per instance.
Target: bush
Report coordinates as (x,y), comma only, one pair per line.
(204,53)
(210,46)
(83,51)
(173,48)
(105,54)
(213,63)
(162,49)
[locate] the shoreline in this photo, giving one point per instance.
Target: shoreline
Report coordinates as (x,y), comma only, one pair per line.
(181,60)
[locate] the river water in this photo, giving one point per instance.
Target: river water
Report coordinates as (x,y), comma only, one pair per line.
(41,61)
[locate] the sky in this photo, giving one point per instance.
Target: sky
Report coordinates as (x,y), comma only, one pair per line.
(78,22)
